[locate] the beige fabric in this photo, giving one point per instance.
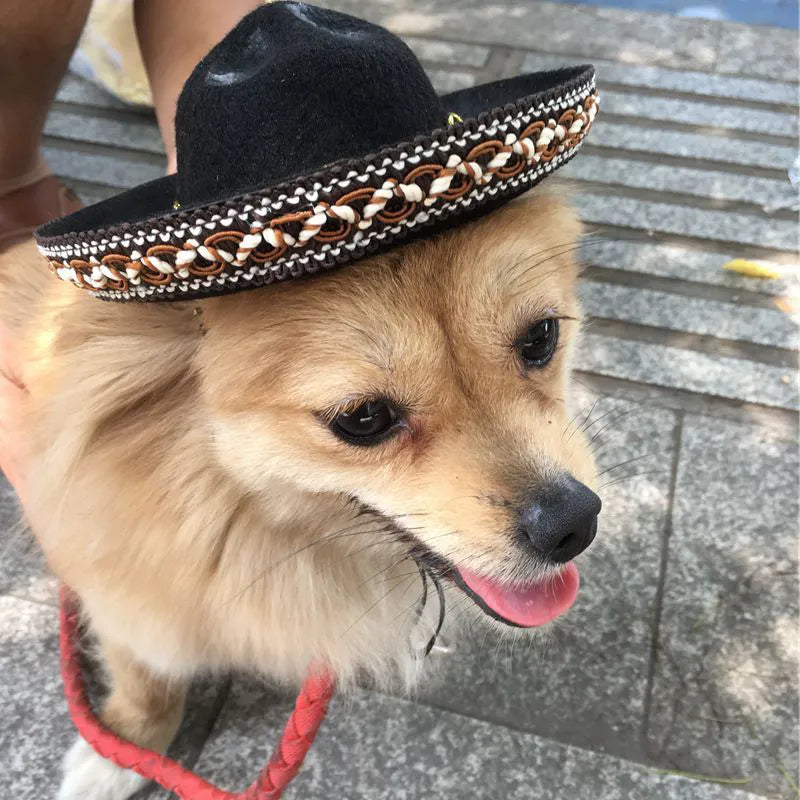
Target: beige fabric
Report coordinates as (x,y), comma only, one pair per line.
(108,53)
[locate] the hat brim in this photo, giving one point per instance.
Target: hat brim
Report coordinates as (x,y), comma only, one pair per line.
(138,246)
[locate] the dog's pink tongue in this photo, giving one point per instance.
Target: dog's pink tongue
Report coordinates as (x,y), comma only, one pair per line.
(531,605)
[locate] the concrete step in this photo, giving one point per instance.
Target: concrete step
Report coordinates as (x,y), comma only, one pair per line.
(131,131)
(697,147)
(122,170)
(92,193)
(676,219)
(677,368)
(456,54)
(693,315)
(77,90)
(450,80)
(662,80)
(679,262)
(701,113)
(688,182)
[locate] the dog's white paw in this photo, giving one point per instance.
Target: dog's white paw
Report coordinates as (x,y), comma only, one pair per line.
(89,776)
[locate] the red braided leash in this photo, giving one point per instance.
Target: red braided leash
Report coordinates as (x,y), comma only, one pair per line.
(296,740)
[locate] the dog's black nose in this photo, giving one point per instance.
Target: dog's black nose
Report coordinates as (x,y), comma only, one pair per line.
(562,521)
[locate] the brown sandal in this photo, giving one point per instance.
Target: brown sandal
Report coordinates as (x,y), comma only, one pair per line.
(31,200)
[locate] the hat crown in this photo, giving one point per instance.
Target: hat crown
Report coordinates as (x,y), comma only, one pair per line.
(290,89)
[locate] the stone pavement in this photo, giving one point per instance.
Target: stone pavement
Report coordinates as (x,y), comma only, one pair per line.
(681,655)
(783,13)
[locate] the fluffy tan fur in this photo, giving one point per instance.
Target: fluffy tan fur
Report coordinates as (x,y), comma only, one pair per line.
(186,486)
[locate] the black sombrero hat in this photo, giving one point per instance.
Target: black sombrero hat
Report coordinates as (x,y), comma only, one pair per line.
(306,139)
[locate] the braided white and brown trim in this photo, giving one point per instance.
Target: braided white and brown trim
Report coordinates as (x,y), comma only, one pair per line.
(324,221)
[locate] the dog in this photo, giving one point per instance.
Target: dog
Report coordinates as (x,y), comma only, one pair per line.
(273,478)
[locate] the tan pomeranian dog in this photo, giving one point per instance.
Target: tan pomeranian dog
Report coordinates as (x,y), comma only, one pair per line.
(269,479)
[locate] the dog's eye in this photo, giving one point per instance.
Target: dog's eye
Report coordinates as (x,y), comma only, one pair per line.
(536,348)
(367,424)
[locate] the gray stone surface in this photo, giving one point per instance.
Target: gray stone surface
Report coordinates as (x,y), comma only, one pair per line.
(690,314)
(450,80)
(584,683)
(676,368)
(93,194)
(452,53)
(36,729)
(676,261)
(663,79)
(700,113)
(695,146)
(23,572)
(406,752)
(582,32)
(673,218)
(763,52)
(22,569)
(725,690)
(110,170)
(133,132)
(706,184)
(75,89)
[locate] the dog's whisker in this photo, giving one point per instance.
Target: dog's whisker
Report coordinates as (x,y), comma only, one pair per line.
(554,252)
(383,537)
(525,285)
(442,610)
(574,419)
(570,246)
(599,419)
(328,538)
(413,514)
(405,592)
(377,575)
(374,605)
(536,280)
(612,421)
(449,503)
(414,604)
(587,416)
(462,605)
(492,500)
(392,534)
(525,259)
(631,460)
(376,579)
(628,477)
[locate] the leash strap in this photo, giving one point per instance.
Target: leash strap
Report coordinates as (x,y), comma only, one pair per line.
(296,739)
